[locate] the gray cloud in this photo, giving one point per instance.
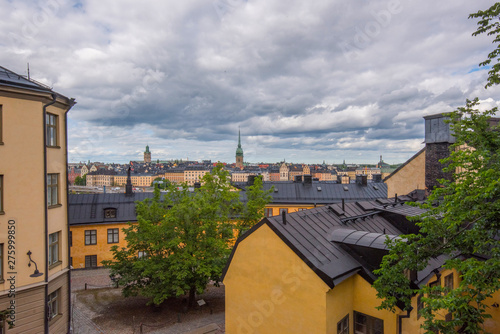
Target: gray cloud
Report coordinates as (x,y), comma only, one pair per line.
(312,81)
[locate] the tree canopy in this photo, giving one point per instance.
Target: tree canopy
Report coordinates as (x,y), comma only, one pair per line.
(181,241)
(462,221)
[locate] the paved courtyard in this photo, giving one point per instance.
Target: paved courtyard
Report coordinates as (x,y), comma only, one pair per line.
(102,309)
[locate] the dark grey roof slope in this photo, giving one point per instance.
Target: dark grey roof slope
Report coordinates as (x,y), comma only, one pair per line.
(89,208)
(338,242)
(323,192)
(9,78)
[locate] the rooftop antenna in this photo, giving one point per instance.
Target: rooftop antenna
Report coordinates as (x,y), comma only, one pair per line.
(28,71)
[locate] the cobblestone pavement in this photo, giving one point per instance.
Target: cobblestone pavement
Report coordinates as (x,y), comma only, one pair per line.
(81,322)
(98,278)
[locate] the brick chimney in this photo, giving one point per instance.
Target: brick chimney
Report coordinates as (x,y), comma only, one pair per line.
(438,139)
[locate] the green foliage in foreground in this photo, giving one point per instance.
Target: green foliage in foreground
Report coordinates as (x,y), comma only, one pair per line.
(181,242)
(462,222)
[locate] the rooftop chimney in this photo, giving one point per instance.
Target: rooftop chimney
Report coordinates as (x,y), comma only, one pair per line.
(438,139)
(308,179)
(362,179)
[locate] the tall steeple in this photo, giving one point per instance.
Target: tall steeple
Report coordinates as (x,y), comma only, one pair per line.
(239,152)
(147,154)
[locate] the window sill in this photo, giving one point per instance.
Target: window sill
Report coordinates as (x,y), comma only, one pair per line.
(2,281)
(1,142)
(2,212)
(53,146)
(90,244)
(52,266)
(57,317)
(54,206)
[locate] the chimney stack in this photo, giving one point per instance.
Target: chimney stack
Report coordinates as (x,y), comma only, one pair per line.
(438,139)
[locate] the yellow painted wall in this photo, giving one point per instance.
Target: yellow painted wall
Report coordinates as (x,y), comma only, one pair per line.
(269,289)
(408,178)
(101,249)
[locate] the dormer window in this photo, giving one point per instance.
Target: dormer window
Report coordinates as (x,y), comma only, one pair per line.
(110,213)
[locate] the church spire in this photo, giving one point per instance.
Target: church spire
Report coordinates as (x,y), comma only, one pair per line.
(239,152)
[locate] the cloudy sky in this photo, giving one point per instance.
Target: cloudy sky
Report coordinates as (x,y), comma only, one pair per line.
(305,81)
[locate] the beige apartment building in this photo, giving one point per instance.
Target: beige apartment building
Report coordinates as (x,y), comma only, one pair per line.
(174,175)
(138,180)
(192,175)
(34,261)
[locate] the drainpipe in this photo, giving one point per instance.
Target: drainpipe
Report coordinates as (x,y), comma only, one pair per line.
(71,104)
(400,319)
(46,322)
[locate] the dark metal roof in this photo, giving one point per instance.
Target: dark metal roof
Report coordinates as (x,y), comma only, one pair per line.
(336,248)
(9,78)
(323,192)
(89,208)
(362,238)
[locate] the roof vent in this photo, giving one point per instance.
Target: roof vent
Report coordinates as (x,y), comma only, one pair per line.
(319,188)
(375,187)
(275,190)
(346,188)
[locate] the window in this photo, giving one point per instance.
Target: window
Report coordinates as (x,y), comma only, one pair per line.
(142,255)
(269,212)
(90,261)
(448,282)
(53,304)
(109,213)
(52,189)
(420,305)
(365,324)
(343,325)
(51,126)
(90,237)
(70,238)
(112,235)
(53,248)
(435,284)
(1,193)
(1,262)
(1,125)
(283,210)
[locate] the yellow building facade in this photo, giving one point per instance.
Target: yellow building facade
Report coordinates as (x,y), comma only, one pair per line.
(304,274)
(91,244)
(408,177)
(34,262)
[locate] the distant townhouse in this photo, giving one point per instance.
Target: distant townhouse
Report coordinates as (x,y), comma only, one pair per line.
(193,174)
(174,175)
(102,177)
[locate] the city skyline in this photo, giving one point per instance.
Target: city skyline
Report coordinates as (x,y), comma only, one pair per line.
(305,82)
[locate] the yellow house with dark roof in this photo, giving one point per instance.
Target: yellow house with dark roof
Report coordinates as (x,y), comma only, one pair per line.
(312,272)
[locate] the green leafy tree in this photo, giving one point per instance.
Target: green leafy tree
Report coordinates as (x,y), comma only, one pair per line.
(81,181)
(180,242)
(253,210)
(489,24)
(462,222)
